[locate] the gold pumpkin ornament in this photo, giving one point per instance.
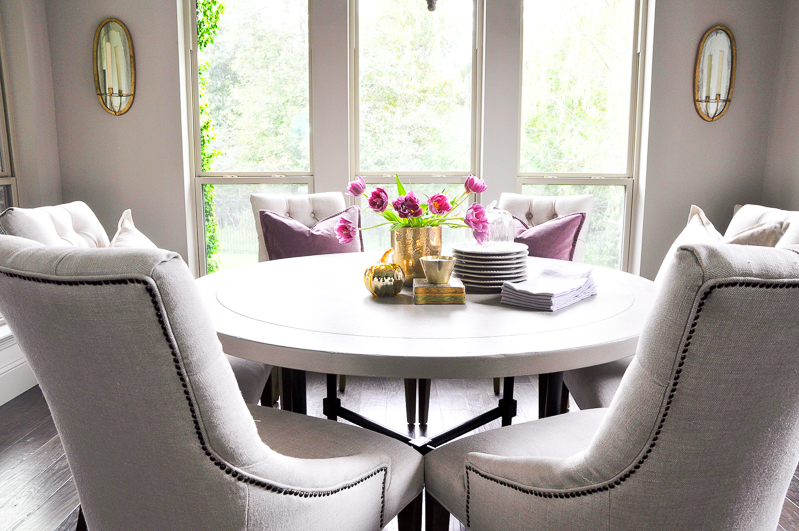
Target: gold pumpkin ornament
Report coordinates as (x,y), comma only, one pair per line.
(384,279)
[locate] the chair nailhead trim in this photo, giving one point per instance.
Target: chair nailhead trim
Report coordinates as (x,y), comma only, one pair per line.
(652,443)
(217,461)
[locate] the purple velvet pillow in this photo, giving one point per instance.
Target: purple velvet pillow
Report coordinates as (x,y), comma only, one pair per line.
(555,238)
(288,238)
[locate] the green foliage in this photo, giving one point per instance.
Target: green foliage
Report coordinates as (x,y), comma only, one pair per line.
(258,86)
(208,13)
(576,85)
(415,85)
(211,228)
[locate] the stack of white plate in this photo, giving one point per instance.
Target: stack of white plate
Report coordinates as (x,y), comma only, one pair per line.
(487,267)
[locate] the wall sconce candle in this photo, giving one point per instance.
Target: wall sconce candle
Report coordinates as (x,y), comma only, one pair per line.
(716,100)
(114,66)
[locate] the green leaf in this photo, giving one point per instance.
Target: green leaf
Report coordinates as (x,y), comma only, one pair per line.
(400,188)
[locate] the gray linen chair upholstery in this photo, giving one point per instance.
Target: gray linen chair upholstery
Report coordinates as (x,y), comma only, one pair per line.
(702,434)
(75,225)
(155,433)
(536,209)
(308,209)
(595,386)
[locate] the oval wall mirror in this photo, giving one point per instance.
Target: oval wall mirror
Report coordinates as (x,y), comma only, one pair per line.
(114,68)
(715,73)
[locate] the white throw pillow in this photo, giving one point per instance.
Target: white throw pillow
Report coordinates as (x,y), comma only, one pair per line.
(128,235)
(700,230)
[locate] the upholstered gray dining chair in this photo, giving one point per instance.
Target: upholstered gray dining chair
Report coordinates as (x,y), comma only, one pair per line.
(309,209)
(154,430)
(595,386)
(75,224)
(536,209)
(702,433)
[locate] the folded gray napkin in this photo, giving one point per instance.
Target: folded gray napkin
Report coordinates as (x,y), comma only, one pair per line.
(550,289)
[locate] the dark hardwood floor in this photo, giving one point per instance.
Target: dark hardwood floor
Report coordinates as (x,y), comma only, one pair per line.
(37,492)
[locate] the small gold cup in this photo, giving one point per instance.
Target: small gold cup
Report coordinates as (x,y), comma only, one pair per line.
(437,268)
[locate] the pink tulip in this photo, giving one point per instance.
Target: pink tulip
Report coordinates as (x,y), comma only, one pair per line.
(474,185)
(345,230)
(407,206)
(476,219)
(356,187)
(378,201)
(438,204)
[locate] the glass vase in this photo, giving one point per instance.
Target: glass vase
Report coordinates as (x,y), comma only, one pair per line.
(501,226)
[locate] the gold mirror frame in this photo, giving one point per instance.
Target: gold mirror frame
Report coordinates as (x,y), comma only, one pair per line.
(700,74)
(106,98)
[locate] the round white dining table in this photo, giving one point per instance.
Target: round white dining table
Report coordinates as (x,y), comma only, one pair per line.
(315,314)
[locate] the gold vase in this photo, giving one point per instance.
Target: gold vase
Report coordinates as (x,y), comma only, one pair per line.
(412,243)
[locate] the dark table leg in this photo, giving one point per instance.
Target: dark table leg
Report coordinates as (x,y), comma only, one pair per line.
(410,400)
(507,404)
(294,388)
(564,399)
(424,400)
(550,387)
(331,404)
(543,381)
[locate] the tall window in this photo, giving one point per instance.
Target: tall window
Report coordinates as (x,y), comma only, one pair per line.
(253,79)
(415,98)
(8,182)
(578,111)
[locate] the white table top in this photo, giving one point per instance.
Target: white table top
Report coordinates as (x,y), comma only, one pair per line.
(315,314)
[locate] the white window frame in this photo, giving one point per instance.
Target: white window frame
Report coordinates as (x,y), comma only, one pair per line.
(495,152)
(629,179)
(417,177)
(7,175)
(200,177)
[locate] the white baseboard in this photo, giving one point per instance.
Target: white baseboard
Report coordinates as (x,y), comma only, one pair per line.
(16,375)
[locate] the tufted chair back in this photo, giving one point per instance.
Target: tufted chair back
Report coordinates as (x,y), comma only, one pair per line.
(308,209)
(72,224)
(750,215)
(534,210)
(154,430)
(703,432)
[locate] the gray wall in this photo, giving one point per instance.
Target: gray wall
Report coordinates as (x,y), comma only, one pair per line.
(30,87)
(690,161)
(131,161)
(781,185)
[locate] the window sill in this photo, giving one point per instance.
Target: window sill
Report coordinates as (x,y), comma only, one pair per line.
(6,337)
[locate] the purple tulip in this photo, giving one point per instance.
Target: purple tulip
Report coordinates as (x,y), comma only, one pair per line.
(438,204)
(407,206)
(476,219)
(356,187)
(345,230)
(474,185)
(378,201)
